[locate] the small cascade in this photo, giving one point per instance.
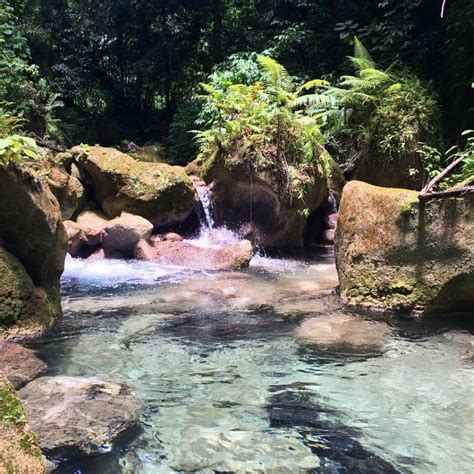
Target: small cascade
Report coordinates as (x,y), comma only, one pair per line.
(209,234)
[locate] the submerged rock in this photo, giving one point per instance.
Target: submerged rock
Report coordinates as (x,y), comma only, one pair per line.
(186,254)
(19,452)
(123,233)
(393,253)
(75,236)
(78,416)
(340,331)
(161,193)
(19,364)
(243,451)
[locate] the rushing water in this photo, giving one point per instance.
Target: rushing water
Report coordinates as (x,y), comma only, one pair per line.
(214,358)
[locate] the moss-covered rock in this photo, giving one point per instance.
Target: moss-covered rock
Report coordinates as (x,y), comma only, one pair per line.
(258,204)
(161,193)
(393,253)
(32,230)
(19,452)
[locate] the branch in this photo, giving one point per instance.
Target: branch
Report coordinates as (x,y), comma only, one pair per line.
(441,175)
(51,146)
(442,8)
(447,193)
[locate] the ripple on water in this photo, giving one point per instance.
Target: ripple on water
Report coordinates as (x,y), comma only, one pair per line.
(221,373)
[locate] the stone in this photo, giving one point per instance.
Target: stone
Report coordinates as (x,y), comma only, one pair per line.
(75,236)
(19,364)
(330,221)
(123,233)
(186,254)
(161,193)
(241,196)
(269,451)
(74,416)
(32,230)
(92,224)
(328,236)
(101,254)
(342,332)
(16,289)
(173,237)
(394,254)
(19,452)
(67,189)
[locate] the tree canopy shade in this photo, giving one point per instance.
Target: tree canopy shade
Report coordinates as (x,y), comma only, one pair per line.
(122,67)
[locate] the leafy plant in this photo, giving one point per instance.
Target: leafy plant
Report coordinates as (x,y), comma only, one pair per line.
(15,149)
(257,126)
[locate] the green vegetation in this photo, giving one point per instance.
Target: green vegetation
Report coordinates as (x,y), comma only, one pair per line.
(11,409)
(256,126)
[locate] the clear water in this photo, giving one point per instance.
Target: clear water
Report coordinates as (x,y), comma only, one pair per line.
(214,354)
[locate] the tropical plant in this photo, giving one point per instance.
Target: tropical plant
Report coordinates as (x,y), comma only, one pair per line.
(257,126)
(15,149)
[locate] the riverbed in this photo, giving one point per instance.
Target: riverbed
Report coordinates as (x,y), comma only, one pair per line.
(214,358)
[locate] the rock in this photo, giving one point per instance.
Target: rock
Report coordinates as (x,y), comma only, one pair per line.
(243,451)
(393,254)
(92,224)
(101,254)
(173,237)
(330,221)
(19,364)
(161,193)
(328,237)
(190,255)
(241,196)
(19,452)
(342,332)
(16,289)
(78,416)
(32,230)
(75,236)
(123,233)
(67,189)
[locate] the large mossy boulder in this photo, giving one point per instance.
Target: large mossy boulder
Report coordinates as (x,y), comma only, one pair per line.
(397,254)
(19,452)
(258,204)
(32,232)
(161,193)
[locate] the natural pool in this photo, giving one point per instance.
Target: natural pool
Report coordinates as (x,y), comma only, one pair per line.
(225,383)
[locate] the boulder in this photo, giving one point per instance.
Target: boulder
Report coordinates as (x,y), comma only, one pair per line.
(394,253)
(242,196)
(32,230)
(186,254)
(19,364)
(161,193)
(67,189)
(92,224)
(75,236)
(78,416)
(19,452)
(101,254)
(221,450)
(123,233)
(173,237)
(343,332)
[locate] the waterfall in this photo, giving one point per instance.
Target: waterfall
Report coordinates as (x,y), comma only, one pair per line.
(209,234)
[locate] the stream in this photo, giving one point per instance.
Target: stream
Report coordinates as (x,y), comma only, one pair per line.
(214,359)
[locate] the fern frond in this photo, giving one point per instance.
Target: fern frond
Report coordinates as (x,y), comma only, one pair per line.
(361,53)
(278,74)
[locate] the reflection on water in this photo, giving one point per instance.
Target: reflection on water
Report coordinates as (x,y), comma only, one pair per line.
(214,358)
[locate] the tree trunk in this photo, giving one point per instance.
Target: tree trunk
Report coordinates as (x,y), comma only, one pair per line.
(216,42)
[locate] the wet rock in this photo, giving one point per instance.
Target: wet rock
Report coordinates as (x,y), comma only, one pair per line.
(31,229)
(343,332)
(241,196)
(173,237)
(19,364)
(19,452)
(185,254)
(243,451)
(102,254)
(78,416)
(330,221)
(328,237)
(92,224)
(161,193)
(392,253)
(75,236)
(123,233)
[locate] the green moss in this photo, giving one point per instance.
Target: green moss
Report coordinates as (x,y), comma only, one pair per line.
(28,443)
(407,207)
(11,410)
